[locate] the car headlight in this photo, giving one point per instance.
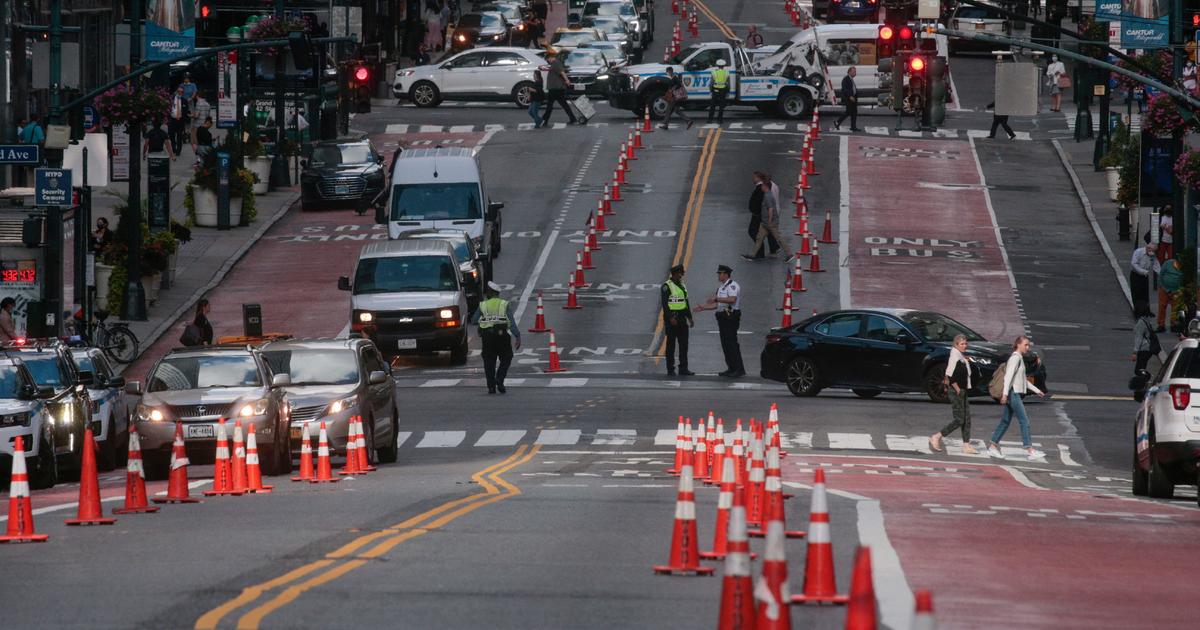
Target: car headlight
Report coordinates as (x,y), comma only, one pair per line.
(14,420)
(602,77)
(147,413)
(256,408)
(366,317)
(446,313)
(339,406)
(461,38)
(405,73)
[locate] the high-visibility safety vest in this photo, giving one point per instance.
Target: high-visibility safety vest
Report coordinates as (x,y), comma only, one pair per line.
(720,79)
(493,313)
(677,300)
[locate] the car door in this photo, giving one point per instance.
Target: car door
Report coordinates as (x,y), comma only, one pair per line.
(501,72)
(462,75)
(380,395)
(885,361)
(835,348)
(697,72)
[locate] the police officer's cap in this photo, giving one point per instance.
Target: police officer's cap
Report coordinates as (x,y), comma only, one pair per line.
(493,286)
(677,269)
(720,63)
(724,269)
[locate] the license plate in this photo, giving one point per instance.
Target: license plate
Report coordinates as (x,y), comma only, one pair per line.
(407,344)
(297,432)
(980,26)
(200,431)
(341,190)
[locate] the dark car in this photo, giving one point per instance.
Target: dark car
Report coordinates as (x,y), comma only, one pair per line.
(867,10)
(486,28)
(64,388)
(879,350)
(343,174)
(515,15)
(589,70)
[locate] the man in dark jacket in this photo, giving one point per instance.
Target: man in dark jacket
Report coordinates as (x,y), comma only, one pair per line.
(677,318)
(850,96)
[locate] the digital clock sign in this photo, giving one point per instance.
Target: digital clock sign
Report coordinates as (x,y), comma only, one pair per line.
(18,272)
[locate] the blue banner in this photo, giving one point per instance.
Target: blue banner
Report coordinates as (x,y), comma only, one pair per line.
(1143,23)
(170,29)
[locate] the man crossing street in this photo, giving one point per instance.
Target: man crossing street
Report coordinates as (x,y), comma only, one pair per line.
(719,88)
(728,304)
(850,96)
(677,318)
(496,323)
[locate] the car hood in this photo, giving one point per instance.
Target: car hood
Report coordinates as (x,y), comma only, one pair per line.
(421,300)
(342,170)
(309,395)
(586,69)
(650,68)
(202,396)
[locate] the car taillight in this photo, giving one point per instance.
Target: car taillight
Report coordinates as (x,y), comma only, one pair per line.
(774,338)
(1181,396)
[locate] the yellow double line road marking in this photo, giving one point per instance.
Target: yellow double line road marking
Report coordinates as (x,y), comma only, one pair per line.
(720,24)
(351,556)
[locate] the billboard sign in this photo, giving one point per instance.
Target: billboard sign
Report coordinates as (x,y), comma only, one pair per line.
(170,29)
(1143,23)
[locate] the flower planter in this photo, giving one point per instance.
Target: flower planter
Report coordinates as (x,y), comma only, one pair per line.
(206,208)
(260,166)
(151,284)
(102,275)
(1113,175)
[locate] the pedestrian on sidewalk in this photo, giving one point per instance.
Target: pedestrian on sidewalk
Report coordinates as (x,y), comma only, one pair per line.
(727,302)
(200,331)
(156,141)
(496,323)
(1056,71)
(675,96)
(1166,234)
(1144,262)
(769,227)
(1170,278)
(1145,341)
(204,140)
(8,327)
(433,27)
(999,121)
(102,237)
(536,94)
(557,83)
(1014,388)
(179,120)
(958,382)
(850,97)
(201,111)
(677,318)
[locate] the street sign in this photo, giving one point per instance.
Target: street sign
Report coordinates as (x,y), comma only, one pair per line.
(20,154)
(52,187)
(158,192)
(91,122)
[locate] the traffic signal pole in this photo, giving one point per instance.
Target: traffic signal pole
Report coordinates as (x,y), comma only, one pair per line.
(279,170)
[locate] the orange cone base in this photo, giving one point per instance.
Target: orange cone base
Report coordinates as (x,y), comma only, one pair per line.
(149,509)
(213,493)
(825,242)
(666,570)
(554,370)
(712,555)
(161,500)
(91,521)
(333,480)
(25,539)
(573,308)
(758,533)
(820,599)
(307,478)
(536,329)
(262,490)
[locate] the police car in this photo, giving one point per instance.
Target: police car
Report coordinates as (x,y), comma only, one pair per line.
(110,407)
(24,413)
(1166,434)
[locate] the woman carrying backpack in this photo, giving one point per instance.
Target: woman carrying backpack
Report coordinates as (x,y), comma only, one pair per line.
(200,331)
(1145,341)
(1012,388)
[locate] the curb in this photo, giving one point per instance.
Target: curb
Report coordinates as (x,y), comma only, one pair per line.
(220,274)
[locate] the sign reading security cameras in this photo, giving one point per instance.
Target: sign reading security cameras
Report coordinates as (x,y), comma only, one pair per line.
(52,187)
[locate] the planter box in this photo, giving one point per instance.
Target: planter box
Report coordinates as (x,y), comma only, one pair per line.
(1113,175)
(206,208)
(260,166)
(103,274)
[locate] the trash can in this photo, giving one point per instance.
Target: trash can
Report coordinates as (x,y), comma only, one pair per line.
(252,320)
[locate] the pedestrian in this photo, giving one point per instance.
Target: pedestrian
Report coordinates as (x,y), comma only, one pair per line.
(102,237)
(204,140)
(157,141)
(957,380)
(675,95)
(189,88)
(32,133)
(536,94)
(200,320)
(1143,262)
(1014,388)
(1166,234)
(433,27)
(201,111)
(1170,278)
(8,327)
(850,96)
(537,30)
(754,39)
(999,121)
(1145,341)
(1189,76)
(769,227)
(541,9)
(756,206)
(422,58)
(1056,72)
(718,87)
(496,323)
(677,318)
(557,84)
(21,128)
(178,121)
(727,302)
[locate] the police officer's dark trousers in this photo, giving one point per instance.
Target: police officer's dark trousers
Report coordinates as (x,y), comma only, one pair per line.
(717,104)
(727,324)
(496,345)
(677,335)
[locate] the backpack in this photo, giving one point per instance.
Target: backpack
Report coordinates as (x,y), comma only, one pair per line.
(191,335)
(996,385)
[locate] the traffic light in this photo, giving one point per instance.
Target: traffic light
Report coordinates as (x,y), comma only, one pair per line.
(906,38)
(884,74)
(362,74)
(358,82)
(885,41)
(937,91)
(207,25)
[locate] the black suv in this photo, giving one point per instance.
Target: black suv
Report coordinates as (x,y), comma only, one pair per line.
(64,388)
(341,174)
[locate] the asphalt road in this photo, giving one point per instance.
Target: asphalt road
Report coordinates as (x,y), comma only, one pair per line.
(547,506)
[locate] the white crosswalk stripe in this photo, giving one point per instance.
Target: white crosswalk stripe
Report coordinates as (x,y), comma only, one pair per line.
(442,439)
(856,441)
(615,437)
(665,437)
(441,382)
(1135,125)
(500,438)
(559,436)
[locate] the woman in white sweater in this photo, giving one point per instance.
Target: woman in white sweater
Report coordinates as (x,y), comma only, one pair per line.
(1015,388)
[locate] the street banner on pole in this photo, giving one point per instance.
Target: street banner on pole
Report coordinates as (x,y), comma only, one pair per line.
(1143,23)
(226,89)
(170,29)
(120,154)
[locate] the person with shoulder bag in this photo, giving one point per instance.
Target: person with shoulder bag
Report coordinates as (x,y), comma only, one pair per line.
(1013,386)
(675,96)
(1145,340)
(200,331)
(958,380)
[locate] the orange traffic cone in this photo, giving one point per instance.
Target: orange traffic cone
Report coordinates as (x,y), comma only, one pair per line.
(718,451)
(675,7)
(816,125)
(89,512)
(801,205)
(720,546)
(622,161)
(700,452)
(811,165)
(364,456)
(587,256)
(591,240)
(755,499)
(629,155)
(827,231)
(923,617)
(637,138)
(685,550)
(814,263)
(306,461)
(616,189)
(351,466)
(806,248)
(222,467)
(572,300)
(539,322)
(646,126)
(20,506)
(681,434)
(237,462)
(710,443)
(773,509)
(820,586)
(555,365)
(619,174)
(774,598)
(804,179)
(253,469)
(579,280)
(737,590)
(862,613)
(135,479)
(739,455)
(797,276)
(324,466)
(787,309)
(693,25)
(773,421)
(177,481)
(600,212)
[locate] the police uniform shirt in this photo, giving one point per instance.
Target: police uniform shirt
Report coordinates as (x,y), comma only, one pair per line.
(730,289)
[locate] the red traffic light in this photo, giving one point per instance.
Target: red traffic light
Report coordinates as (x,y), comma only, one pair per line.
(1196,19)
(361,74)
(886,33)
(205,11)
(916,64)
(906,32)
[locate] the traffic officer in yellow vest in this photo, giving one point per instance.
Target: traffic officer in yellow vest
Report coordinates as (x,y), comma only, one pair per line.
(718,87)
(677,318)
(496,323)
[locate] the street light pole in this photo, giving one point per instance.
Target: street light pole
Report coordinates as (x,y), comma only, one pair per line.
(279,170)
(133,306)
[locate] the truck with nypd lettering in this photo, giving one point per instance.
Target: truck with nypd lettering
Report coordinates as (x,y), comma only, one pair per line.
(790,90)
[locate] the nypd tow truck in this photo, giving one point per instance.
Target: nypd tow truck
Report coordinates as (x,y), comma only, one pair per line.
(790,90)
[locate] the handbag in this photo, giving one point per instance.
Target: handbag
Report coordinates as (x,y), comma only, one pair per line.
(1064,81)
(679,93)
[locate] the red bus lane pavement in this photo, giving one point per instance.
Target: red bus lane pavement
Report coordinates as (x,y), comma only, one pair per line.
(999,551)
(922,234)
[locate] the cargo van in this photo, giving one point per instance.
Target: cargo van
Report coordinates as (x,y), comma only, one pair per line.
(843,46)
(442,189)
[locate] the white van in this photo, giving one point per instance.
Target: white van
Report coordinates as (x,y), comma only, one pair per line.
(843,46)
(441,189)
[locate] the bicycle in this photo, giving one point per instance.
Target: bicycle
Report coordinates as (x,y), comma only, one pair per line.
(115,340)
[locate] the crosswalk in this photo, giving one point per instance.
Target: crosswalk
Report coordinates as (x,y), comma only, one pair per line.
(599,381)
(1135,125)
(664,440)
(735,127)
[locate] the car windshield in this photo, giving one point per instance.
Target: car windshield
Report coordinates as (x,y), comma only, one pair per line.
(315,367)
(475,20)
(573,38)
(405,273)
(203,372)
(461,248)
(333,155)
(611,50)
(436,202)
(10,379)
(584,57)
(935,327)
(47,371)
(684,54)
(977,13)
(610,8)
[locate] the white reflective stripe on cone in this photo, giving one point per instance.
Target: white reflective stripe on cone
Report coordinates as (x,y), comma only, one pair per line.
(222,452)
(178,462)
(685,511)
(685,479)
(762,593)
(724,500)
(18,490)
(820,505)
(818,533)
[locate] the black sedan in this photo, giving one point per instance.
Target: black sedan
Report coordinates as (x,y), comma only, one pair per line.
(343,174)
(879,350)
(486,28)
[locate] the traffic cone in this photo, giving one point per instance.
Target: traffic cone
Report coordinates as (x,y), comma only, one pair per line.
(20,506)
(805,240)
(700,452)
(721,446)
(364,456)
(710,441)
(827,231)
(787,309)
(771,592)
(814,263)
(820,586)
(572,300)
(253,469)
(591,240)
(923,617)
(608,207)
(804,179)
(685,550)
(668,50)
(555,366)
(862,613)
(694,25)
(619,174)
(637,138)
(755,498)
(737,590)
(238,461)
(720,545)
(89,512)
(773,421)
(539,322)
(739,455)
(600,227)
(324,466)
(646,126)
(816,125)
(579,280)
(351,465)
(797,275)
(587,257)
(622,161)
(811,165)
(680,450)
(675,7)
(306,455)
(135,479)
(177,481)
(616,188)
(629,155)
(773,509)
(222,467)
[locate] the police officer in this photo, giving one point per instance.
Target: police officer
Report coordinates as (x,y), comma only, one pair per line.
(719,88)
(496,323)
(728,304)
(677,318)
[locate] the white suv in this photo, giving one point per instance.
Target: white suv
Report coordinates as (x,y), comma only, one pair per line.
(481,74)
(1167,434)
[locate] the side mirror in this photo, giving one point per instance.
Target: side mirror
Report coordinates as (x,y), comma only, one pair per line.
(344,283)
(87,378)
(281,380)
(380,215)
(495,206)
(133,388)
(45,392)
(905,339)
(115,382)
(27,392)
(378,377)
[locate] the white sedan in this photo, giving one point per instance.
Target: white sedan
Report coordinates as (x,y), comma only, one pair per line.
(481,74)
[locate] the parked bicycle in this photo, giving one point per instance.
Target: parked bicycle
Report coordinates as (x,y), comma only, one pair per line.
(115,340)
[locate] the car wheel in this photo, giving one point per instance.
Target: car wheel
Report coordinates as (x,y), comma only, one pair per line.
(1158,484)
(656,100)
(795,104)
(108,450)
(866,393)
(45,468)
(389,453)
(802,377)
(935,388)
(522,94)
(424,94)
(1141,478)
(458,356)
